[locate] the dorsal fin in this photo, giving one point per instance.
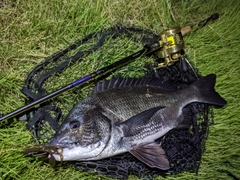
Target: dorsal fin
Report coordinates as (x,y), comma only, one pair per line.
(120,82)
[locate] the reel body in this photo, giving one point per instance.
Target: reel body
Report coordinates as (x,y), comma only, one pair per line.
(171,41)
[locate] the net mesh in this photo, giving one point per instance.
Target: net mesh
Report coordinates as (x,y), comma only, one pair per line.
(183,147)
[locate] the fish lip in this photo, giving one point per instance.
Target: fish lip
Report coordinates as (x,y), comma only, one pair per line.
(55,142)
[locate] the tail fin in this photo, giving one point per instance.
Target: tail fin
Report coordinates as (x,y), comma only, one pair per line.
(207,92)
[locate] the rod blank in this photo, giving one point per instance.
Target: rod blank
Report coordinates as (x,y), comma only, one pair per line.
(79,81)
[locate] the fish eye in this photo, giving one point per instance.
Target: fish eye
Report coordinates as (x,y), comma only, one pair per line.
(74,124)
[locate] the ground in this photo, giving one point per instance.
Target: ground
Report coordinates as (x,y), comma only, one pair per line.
(33,30)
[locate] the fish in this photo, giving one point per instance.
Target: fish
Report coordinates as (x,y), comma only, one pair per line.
(128,115)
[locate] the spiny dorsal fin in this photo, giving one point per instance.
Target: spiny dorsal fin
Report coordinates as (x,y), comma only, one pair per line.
(120,82)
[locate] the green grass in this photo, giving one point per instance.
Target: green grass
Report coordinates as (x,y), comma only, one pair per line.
(31,30)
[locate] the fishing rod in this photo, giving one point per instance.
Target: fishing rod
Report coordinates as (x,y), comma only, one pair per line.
(169,48)
(171,40)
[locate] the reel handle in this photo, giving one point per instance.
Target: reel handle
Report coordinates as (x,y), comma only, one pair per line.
(185,30)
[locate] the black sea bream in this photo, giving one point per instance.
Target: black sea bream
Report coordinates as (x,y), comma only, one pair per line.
(128,115)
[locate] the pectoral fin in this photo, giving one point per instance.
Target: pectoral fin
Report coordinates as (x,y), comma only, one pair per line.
(137,123)
(152,155)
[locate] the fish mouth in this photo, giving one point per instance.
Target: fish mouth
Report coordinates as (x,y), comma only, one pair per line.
(56,143)
(55,151)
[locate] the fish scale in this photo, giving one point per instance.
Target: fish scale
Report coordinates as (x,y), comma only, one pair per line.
(128,102)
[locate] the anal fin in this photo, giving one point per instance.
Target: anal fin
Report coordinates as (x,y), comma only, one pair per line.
(152,155)
(186,119)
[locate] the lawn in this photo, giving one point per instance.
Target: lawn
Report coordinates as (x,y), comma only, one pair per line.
(33,30)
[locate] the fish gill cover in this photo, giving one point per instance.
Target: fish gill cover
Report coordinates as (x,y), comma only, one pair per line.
(183,146)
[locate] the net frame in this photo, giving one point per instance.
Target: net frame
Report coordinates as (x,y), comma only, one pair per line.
(183,147)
